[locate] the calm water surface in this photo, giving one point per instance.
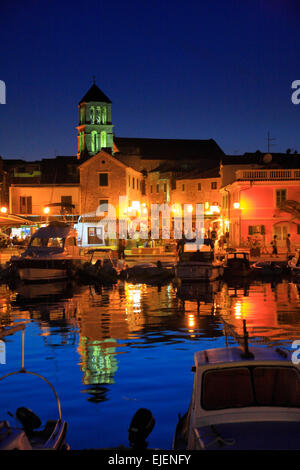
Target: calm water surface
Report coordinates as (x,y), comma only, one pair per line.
(110,351)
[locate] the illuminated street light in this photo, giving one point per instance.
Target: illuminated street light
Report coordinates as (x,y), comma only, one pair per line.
(215,209)
(3,210)
(46,210)
(236,205)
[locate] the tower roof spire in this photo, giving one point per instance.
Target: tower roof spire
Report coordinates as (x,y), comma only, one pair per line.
(95,94)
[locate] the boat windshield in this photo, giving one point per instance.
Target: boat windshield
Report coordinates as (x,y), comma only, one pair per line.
(237,256)
(48,242)
(250,386)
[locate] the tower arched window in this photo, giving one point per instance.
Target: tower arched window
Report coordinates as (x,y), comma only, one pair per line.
(82,112)
(94,141)
(98,115)
(103,139)
(92,115)
(104,115)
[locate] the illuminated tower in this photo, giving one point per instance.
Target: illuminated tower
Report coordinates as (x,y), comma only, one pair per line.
(95,130)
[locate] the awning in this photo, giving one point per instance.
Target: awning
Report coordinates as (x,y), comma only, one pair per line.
(11,220)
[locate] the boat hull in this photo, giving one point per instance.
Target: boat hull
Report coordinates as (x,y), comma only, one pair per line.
(188,271)
(40,274)
(43,270)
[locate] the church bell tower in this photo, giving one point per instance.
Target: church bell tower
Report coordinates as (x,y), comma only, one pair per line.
(95,130)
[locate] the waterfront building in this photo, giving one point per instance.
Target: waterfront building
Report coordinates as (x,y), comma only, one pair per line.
(261,198)
(199,188)
(110,190)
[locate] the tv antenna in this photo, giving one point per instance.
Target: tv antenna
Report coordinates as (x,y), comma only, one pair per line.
(270,140)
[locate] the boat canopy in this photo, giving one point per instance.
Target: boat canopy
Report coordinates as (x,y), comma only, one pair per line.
(54,230)
(196,244)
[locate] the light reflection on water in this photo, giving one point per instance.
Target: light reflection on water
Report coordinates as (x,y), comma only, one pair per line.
(110,351)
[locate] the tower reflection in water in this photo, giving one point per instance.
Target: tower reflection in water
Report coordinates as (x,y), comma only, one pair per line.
(102,323)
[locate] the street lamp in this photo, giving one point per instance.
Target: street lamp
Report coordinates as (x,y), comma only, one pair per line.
(3,210)
(46,212)
(236,205)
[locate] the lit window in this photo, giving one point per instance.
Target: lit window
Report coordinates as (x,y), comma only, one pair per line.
(103,203)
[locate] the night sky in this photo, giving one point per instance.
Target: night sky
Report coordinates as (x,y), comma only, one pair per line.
(218,69)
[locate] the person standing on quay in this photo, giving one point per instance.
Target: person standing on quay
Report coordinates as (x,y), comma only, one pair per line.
(274,246)
(121,248)
(288,244)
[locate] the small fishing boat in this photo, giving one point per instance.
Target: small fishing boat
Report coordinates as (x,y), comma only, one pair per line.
(266,269)
(242,400)
(52,254)
(197,262)
(106,270)
(294,263)
(237,264)
(150,273)
(28,433)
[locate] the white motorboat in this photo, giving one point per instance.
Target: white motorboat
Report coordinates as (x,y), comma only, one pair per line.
(197,262)
(52,254)
(242,400)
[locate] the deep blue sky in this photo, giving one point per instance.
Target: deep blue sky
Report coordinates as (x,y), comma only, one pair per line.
(218,69)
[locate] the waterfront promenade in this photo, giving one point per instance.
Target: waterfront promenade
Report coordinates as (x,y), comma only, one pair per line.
(133,257)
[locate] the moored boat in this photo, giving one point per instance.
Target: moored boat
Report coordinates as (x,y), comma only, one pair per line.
(237,264)
(197,262)
(149,273)
(266,269)
(294,263)
(52,254)
(242,400)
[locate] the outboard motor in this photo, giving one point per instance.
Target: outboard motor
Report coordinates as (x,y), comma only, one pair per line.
(140,427)
(28,419)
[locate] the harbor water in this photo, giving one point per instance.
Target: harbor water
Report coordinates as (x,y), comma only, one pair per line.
(111,350)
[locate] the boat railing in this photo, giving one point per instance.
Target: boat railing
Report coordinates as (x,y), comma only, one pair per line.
(12,330)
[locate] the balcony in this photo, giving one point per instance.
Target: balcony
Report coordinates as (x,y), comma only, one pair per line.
(268,175)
